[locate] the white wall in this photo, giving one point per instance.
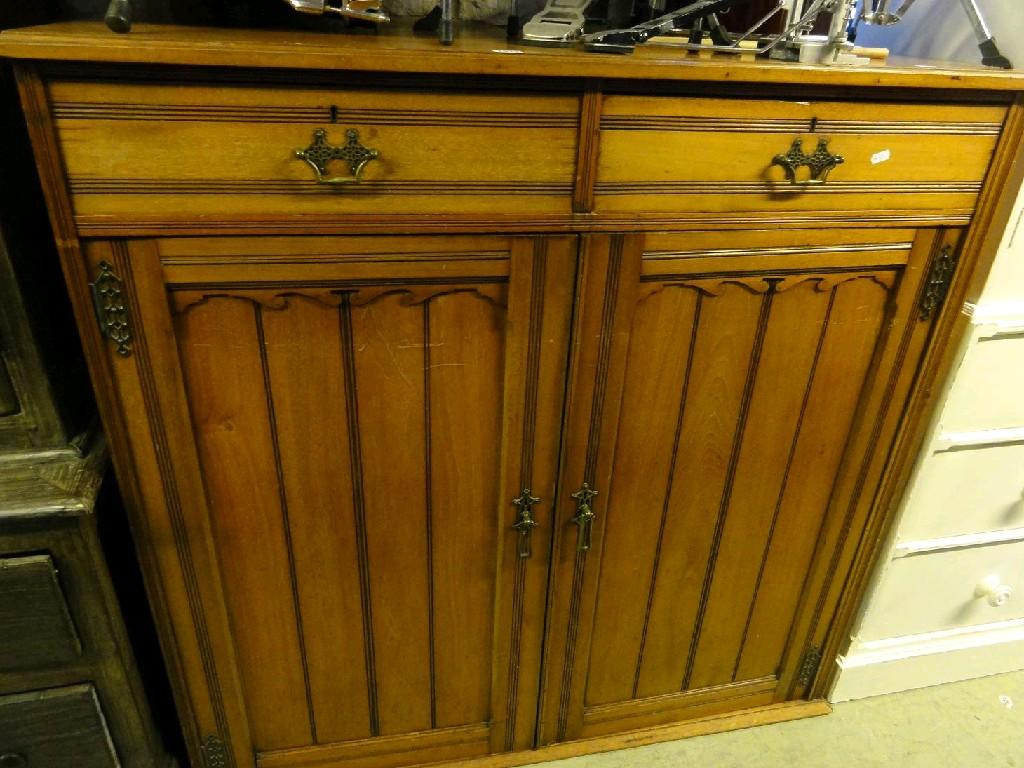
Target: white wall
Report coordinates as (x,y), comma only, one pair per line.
(938,29)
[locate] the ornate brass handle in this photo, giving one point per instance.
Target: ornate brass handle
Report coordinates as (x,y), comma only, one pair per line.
(820,162)
(584,516)
(319,154)
(524,522)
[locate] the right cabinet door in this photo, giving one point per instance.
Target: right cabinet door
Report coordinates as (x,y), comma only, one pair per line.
(732,400)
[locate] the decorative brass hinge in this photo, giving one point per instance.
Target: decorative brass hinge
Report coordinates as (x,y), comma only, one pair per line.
(809,665)
(215,754)
(940,275)
(111,312)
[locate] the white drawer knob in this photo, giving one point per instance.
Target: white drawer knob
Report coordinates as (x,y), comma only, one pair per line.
(991,589)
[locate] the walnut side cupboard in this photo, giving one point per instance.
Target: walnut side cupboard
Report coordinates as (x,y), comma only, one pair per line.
(491,406)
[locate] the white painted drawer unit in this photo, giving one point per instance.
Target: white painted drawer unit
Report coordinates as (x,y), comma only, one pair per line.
(988,392)
(948,604)
(940,590)
(966,491)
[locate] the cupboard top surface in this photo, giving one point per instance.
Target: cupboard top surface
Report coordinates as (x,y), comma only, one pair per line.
(478,50)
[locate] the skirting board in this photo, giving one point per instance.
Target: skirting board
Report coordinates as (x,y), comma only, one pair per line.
(903,663)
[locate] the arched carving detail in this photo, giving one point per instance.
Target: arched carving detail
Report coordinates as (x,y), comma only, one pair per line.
(277,298)
(760,284)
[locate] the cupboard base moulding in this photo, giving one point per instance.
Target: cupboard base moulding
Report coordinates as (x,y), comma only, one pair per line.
(704,726)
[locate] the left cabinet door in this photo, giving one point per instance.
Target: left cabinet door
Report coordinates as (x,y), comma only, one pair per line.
(327,436)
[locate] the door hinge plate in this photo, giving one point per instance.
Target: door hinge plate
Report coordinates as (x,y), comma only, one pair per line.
(111,310)
(215,754)
(940,275)
(809,665)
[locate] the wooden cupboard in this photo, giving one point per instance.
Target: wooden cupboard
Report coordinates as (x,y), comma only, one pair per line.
(731,423)
(587,429)
(356,411)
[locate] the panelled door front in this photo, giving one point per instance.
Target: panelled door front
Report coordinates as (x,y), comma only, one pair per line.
(732,398)
(355,418)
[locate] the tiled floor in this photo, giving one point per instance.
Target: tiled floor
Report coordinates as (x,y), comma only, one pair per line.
(972,724)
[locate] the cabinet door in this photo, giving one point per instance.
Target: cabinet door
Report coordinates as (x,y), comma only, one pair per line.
(330,434)
(732,399)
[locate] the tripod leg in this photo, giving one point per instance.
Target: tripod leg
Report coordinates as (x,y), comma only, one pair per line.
(990,55)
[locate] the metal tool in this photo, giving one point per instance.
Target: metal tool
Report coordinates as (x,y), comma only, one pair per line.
(796,41)
(368,10)
(878,12)
(560,22)
(119,12)
(625,40)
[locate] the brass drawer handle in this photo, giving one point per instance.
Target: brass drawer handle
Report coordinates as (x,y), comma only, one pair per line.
(820,162)
(525,523)
(320,153)
(13,760)
(584,516)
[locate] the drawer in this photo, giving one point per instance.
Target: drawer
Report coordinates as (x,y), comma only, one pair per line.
(988,392)
(936,590)
(176,151)
(663,154)
(35,626)
(56,728)
(966,491)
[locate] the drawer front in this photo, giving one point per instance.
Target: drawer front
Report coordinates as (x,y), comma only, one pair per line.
(966,491)
(936,591)
(56,728)
(166,151)
(35,625)
(988,392)
(662,154)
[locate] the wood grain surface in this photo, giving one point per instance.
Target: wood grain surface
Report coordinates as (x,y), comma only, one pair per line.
(479,49)
(142,149)
(743,378)
(37,629)
(591,273)
(355,509)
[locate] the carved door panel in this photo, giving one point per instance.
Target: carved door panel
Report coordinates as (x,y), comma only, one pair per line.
(732,399)
(351,419)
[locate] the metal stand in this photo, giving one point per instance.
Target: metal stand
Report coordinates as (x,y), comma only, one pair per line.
(625,40)
(990,55)
(877,12)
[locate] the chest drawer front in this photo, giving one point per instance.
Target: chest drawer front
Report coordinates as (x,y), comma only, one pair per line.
(664,154)
(936,591)
(57,728)
(35,626)
(177,151)
(966,491)
(987,391)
